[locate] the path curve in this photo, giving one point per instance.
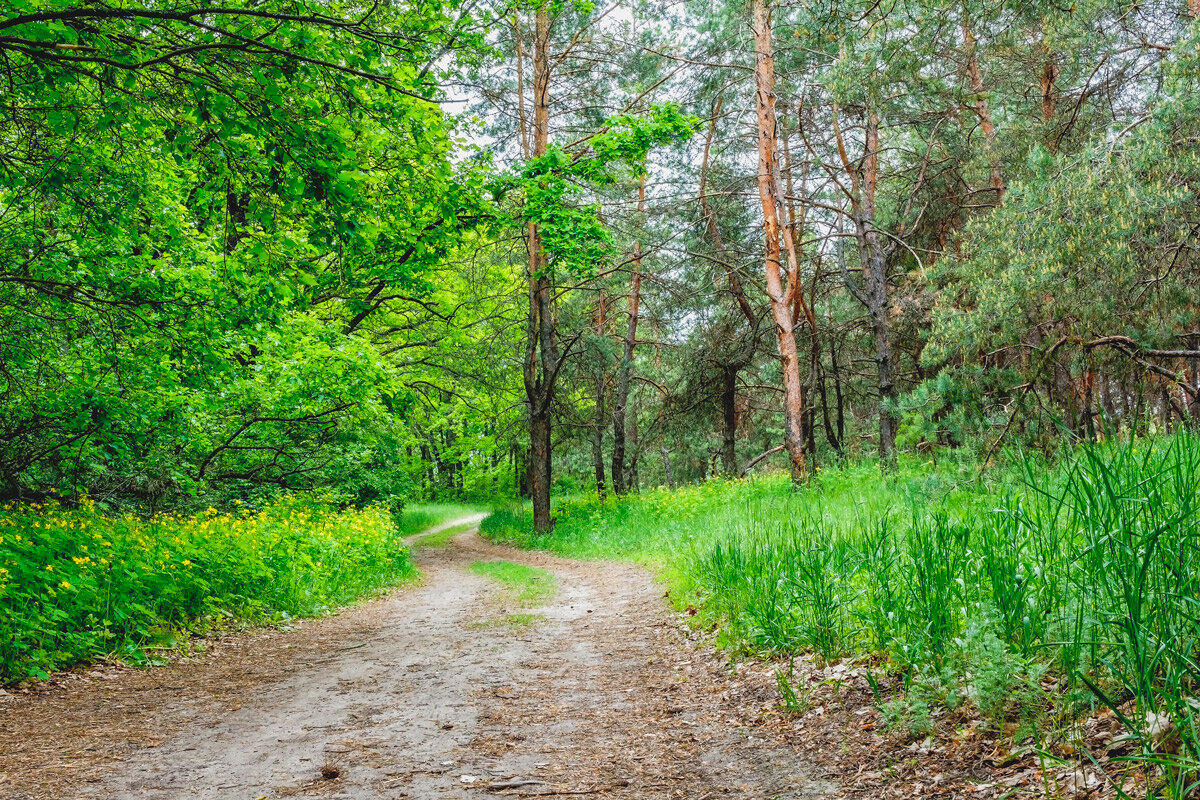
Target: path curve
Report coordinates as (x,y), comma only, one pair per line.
(433,691)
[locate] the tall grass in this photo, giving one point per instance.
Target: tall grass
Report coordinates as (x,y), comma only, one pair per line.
(1087,571)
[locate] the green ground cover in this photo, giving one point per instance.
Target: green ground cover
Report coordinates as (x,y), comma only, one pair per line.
(77,584)
(442,538)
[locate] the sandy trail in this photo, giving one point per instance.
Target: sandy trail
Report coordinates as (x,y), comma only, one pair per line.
(434,691)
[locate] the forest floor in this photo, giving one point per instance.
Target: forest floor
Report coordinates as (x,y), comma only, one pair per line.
(443,689)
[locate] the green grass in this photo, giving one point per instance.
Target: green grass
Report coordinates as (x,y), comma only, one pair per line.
(511,621)
(525,585)
(76,585)
(443,537)
(981,590)
(417,517)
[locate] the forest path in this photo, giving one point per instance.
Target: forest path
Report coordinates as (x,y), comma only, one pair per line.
(434,691)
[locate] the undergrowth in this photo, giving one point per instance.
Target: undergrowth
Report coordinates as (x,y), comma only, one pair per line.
(1026,590)
(77,585)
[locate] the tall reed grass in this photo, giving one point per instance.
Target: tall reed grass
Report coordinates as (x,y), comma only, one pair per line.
(1085,573)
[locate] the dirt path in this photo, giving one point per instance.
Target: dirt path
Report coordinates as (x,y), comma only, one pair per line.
(434,691)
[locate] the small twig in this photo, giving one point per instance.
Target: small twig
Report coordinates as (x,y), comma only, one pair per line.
(515,784)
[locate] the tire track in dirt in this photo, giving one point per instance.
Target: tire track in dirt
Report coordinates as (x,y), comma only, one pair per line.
(424,694)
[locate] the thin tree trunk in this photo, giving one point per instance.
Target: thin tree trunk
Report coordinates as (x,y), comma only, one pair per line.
(1050,72)
(980,106)
(633,481)
(668,473)
(841,402)
(601,421)
(426,470)
(808,421)
(770,193)
(729,463)
(873,294)
(522,119)
(620,478)
(877,292)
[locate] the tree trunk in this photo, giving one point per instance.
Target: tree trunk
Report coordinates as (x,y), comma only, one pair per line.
(1050,72)
(521,471)
(620,479)
(980,106)
(539,471)
(601,420)
(877,293)
(426,470)
(782,290)
(873,255)
(795,225)
(633,482)
(714,231)
(729,463)
(541,339)
(668,473)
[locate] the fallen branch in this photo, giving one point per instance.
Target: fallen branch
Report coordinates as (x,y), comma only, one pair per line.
(564,792)
(754,461)
(514,784)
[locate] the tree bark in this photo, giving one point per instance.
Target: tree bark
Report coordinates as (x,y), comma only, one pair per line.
(1050,72)
(541,338)
(729,371)
(620,477)
(796,222)
(873,255)
(782,290)
(633,482)
(668,473)
(839,442)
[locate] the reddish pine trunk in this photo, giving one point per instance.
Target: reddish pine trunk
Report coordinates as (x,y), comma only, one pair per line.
(782,290)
